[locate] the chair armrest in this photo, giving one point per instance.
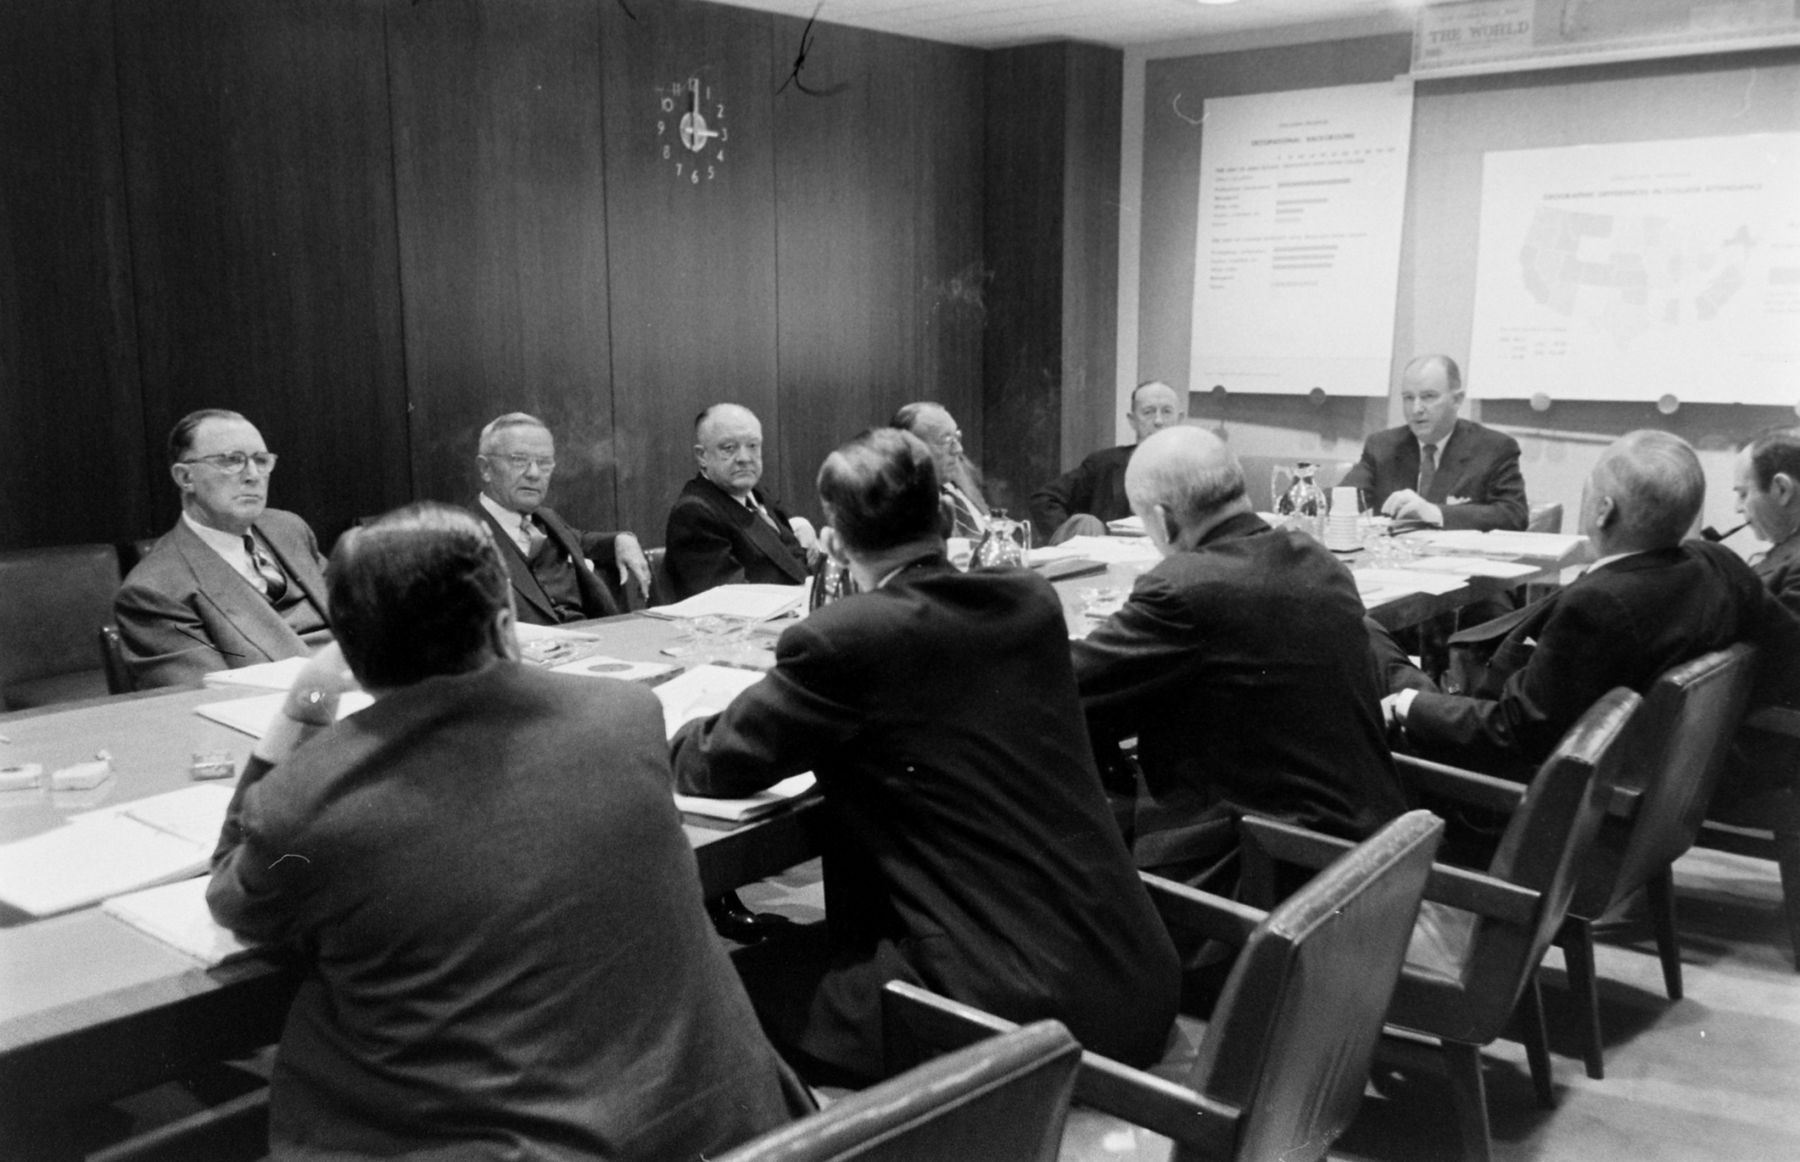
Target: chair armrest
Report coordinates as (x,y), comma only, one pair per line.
(1140,1098)
(1482,894)
(1775,720)
(1290,844)
(1188,911)
(1466,787)
(1625,802)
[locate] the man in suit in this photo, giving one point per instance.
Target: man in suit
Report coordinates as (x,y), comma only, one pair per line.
(1650,601)
(1241,665)
(1768,497)
(235,582)
(553,566)
(1081,501)
(965,509)
(488,890)
(1436,469)
(723,530)
(968,846)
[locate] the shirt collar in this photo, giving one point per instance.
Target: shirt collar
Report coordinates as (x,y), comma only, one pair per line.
(506,518)
(1611,558)
(227,545)
(1439,444)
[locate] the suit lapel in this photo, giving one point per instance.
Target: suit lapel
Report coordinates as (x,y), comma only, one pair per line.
(238,601)
(303,577)
(769,541)
(524,582)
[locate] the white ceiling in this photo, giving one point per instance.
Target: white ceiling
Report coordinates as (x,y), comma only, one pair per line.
(1002,23)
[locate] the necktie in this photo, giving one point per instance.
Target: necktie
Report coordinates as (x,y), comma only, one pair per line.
(759,510)
(274,580)
(534,536)
(1427,469)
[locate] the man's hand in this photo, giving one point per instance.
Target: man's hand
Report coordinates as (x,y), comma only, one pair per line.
(1409,505)
(633,565)
(1394,708)
(803,532)
(311,704)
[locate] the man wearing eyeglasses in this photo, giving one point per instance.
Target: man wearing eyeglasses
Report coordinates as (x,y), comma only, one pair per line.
(722,529)
(557,571)
(965,509)
(234,583)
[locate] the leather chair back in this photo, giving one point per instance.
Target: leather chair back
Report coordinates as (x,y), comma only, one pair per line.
(1293,1031)
(50,601)
(1543,849)
(1675,752)
(1003,1097)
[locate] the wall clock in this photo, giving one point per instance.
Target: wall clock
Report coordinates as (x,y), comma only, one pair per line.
(691,131)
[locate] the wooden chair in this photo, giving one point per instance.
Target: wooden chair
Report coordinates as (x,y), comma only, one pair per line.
(50,601)
(1481,935)
(1280,1068)
(1003,1098)
(1675,751)
(1766,825)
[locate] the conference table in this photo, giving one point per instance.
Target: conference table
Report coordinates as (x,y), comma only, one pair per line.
(91,1009)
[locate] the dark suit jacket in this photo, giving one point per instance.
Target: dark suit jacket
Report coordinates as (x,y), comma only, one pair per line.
(969,843)
(183,612)
(1244,671)
(533,604)
(713,540)
(498,918)
(1479,464)
(1096,486)
(1621,625)
(1779,569)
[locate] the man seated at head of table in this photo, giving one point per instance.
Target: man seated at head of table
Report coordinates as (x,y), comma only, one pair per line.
(1241,665)
(488,890)
(965,509)
(234,583)
(556,570)
(1650,601)
(967,845)
(1436,469)
(1080,502)
(722,529)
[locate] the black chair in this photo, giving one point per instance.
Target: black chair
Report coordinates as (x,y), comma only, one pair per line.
(1003,1098)
(1279,1069)
(50,601)
(119,678)
(1766,825)
(659,576)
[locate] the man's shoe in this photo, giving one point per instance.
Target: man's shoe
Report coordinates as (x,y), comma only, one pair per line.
(732,920)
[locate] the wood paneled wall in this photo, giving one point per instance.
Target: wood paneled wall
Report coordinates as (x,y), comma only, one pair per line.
(372,225)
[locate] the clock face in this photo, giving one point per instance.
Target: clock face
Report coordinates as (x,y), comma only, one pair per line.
(690,130)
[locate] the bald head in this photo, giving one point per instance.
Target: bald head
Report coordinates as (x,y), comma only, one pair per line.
(1181,482)
(1154,406)
(1644,493)
(728,445)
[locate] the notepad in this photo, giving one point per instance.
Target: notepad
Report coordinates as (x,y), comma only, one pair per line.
(756,602)
(176,914)
(253,715)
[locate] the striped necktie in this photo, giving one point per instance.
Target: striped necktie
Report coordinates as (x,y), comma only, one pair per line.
(1427,469)
(274,580)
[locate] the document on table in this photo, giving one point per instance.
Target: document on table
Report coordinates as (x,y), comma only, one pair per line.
(114,850)
(177,915)
(252,715)
(1558,547)
(756,602)
(1473,567)
(1112,550)
(1407,580)
(619,668)
(1126,526)
(277,675)
(706,690)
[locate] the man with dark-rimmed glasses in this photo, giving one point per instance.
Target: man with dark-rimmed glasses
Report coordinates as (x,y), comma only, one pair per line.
(235,582)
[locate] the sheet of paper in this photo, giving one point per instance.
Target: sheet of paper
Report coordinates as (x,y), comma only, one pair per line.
(1126,526)
(550,633)
(277,675)
(83,863)
(1538,546)
(1473,567)
(193,813)
(701,691)
(738,810)
(1112,550)
(757,602)
(177,915)
(1408,580)
(252,715)
(605,667)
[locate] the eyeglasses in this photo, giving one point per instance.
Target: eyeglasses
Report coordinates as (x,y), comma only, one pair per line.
(236,461)
(519,462)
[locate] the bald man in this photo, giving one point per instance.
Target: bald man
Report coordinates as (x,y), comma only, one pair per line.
(1651,601)
(722,530)
(1436,469)
(1082,500)
(1241,664)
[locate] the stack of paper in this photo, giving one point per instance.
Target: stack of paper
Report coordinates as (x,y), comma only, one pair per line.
(1112,550)
(756,602)
(253,715)
(738,810)
(1472,567)
(177,915)
(114,850)
(701,692)
(1126,526)
(1561,548)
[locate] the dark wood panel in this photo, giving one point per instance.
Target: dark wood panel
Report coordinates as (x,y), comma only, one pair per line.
(867,243)
(500,190)
(259,164)
(75,468)
(692,264)
(1023,238)
(1091,252)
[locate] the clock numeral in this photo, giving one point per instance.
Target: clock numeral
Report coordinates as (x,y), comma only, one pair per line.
(668,104)
(723,135)
(720,158)
(665,153)
(677,169)
(709,173)
(661,128)
(695,176)
(720,110)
